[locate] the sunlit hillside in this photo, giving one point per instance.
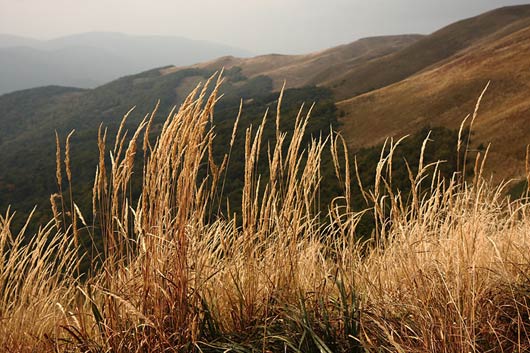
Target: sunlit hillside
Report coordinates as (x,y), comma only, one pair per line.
(439,96)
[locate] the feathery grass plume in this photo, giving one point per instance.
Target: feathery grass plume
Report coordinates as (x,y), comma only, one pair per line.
(459,144)
(474,116)
(67,157)
(55,210)
(59,175)
(68,169)
(58,171)
(37,279)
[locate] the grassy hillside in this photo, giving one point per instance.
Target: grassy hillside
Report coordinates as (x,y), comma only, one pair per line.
(444,94)
(372,63)
(303,70)
(430,50)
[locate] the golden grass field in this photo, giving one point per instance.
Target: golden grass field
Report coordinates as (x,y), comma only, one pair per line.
(447,269)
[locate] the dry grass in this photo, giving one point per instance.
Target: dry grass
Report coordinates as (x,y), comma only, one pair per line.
(37,288)
(443,94)
(447,271)
(452,279)
(322,68)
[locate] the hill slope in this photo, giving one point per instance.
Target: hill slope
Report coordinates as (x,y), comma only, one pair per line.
(302,70)
(430,50)
(373,63)
(445,93)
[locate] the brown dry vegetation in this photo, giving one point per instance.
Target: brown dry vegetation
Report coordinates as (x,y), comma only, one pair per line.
(313,68)
(447,271)
(430,51)
(444,94)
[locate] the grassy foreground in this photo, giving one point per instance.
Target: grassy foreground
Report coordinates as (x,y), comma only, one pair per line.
(448,269)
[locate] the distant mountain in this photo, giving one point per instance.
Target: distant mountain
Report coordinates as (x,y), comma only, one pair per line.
(91,59)
(9,40)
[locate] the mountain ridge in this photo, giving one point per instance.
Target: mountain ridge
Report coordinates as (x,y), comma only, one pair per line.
(103,56)
(297,70)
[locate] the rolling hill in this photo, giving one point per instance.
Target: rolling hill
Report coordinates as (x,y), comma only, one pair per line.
(372,63)
(396,85)
(429,50)
(303,70)
(413,82)
(444,93)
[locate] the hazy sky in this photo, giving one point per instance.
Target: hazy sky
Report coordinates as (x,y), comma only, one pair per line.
(261,26)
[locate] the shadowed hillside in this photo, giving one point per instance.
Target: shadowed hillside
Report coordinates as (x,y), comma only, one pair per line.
(31,118)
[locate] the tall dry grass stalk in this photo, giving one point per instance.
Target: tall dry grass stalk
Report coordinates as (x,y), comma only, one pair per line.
(170,278)
(447,271)
(37,287)
(450,275)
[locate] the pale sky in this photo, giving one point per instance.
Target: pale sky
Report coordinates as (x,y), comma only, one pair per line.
(261,26)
